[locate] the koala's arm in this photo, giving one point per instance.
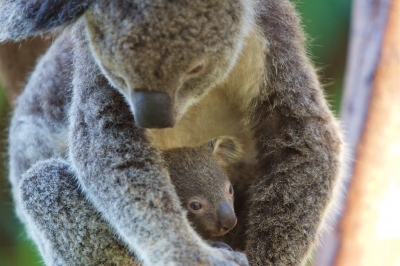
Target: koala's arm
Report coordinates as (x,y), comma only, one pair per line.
(124,176)
(65,226)
(299,146)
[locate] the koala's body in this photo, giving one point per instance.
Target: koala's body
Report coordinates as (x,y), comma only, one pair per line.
(131,78)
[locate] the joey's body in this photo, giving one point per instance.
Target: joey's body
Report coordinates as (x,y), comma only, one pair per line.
(212,68)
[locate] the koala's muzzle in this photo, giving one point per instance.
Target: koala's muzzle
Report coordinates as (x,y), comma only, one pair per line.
(153,109)
(226,217)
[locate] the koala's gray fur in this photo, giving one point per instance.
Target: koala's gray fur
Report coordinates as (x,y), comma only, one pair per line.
(82,107)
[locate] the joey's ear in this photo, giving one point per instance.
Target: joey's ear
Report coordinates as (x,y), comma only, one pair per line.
(20,19)
(226,150)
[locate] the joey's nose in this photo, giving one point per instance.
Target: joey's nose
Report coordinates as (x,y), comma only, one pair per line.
(153,109)
(226,216)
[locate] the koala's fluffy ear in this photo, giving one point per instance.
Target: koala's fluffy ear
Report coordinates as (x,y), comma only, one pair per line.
(227,150)
(20,19)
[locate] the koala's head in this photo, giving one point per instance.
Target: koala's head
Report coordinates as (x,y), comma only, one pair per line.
(165,55)
(203,186)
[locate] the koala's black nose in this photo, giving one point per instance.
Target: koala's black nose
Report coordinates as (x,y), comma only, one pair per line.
(153,109)
(226,216)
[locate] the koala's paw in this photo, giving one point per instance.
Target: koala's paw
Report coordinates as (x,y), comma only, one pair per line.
(219,256)
(221,245)
(199,254)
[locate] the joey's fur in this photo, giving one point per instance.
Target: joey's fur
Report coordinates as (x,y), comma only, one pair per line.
(216,67)
(199,178)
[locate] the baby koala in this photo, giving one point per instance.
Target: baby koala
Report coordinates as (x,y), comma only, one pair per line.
(203,186)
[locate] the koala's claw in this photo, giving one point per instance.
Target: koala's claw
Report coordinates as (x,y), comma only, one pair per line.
(229,258)
(221,245)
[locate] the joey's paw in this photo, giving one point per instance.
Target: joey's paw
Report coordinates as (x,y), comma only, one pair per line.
(226,258)
(221,245)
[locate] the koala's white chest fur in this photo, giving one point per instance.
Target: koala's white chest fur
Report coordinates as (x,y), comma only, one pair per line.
(223,110)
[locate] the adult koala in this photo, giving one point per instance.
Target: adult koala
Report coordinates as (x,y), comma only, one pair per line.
(129,78)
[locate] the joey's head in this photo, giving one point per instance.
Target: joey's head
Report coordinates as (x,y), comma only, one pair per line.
(165,55)
(203,186)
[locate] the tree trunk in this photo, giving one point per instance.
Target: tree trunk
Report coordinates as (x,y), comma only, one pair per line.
(369,231)
(370,227)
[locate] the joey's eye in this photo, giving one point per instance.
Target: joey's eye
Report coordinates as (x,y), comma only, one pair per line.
(195,205)
(230,189)
(196,69)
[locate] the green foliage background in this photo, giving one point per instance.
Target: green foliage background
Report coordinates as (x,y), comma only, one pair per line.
(326,23)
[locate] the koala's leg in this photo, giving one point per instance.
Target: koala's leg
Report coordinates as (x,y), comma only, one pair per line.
(64,225)
(299,148)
